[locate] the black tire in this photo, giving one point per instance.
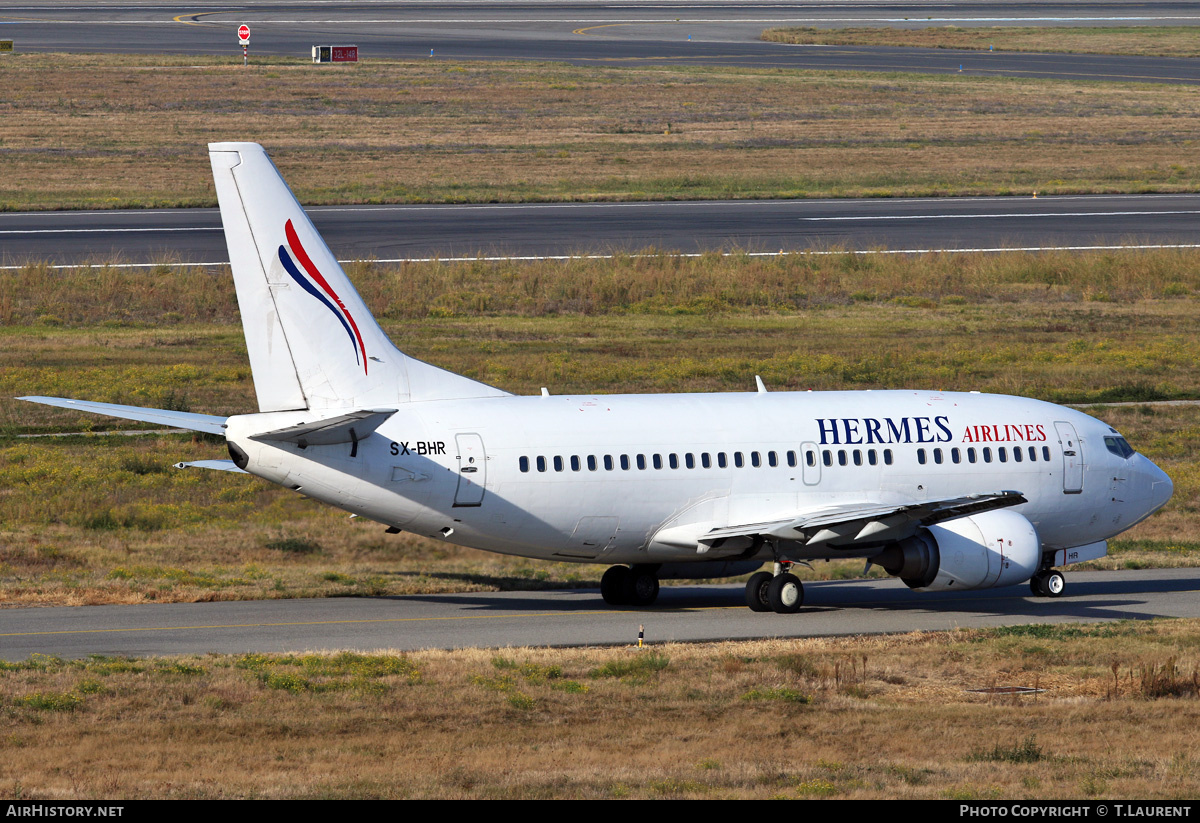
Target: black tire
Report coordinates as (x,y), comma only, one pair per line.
(642,587)
(1037,584)
(786,594)
(616,586)
(756,592)
(1054,583)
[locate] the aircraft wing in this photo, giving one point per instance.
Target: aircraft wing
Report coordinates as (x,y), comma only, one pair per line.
(844,526)
(207,423)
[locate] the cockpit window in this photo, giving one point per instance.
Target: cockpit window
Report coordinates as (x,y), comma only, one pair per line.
(1118,446)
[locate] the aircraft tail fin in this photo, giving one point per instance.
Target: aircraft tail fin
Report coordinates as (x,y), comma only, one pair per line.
(312,342)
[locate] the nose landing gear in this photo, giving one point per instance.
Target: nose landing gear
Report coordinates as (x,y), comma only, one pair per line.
(1049,583)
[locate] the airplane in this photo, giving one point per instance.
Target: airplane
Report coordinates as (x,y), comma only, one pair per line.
(947,491)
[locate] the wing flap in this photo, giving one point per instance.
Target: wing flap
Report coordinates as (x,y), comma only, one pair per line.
(855,524)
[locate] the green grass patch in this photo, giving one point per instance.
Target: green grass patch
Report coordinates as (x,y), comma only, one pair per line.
(1027,751)
(641,666)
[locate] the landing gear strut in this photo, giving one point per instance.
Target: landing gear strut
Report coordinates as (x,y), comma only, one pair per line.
(625,586)
(1049,583)
(782,593)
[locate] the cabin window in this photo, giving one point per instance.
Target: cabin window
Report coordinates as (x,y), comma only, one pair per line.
(1002,453)
(658,461)
(673,460)
(937,456)
(772,459)
(541,464)
(1046,453)
(738,461)
(971,455)
(842,457)
(689,460)
(524,464)
(591,461)
(810,457)
(887,457)
(1032,454)
(1017,454)
(791,459)
(872,457)
(608,463)
(721,462)
(705,460)
(755,460)
(987,454)
(827,457)
(641,461)
(956,454)
(558,463)
(921,456)
(575,463)
(624,462)
(858,457)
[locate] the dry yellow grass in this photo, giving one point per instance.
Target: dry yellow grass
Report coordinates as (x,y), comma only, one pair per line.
(878,717)
(1168,41)
(79,131)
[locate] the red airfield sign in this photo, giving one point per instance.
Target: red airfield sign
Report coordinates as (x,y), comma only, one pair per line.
(243,32)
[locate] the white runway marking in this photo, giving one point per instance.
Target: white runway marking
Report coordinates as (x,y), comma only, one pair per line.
(534,258)
(986,216)
(106,231)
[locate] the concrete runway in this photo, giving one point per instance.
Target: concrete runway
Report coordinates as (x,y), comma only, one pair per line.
(718,32)
(576,618)
(414,232)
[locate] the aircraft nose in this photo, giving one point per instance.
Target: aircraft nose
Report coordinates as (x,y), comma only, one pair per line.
(1158,485)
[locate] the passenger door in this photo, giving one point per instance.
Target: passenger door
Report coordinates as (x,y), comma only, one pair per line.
(1072,458)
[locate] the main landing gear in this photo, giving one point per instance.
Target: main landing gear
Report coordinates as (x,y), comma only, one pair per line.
(1048,583)
(782,592)
(625,586)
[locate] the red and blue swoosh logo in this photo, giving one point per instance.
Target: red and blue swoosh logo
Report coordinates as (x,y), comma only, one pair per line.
(316,285)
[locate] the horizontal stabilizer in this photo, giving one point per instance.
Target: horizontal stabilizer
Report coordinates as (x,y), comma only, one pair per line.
(218,465)
(345,428)
(207,423)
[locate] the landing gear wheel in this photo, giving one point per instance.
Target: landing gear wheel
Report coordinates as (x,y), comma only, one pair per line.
(756,591)
(616,585)
(1054,583)
(1037,585)
(785,594)
(642,587)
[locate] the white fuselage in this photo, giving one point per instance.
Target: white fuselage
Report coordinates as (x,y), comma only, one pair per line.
(595,478)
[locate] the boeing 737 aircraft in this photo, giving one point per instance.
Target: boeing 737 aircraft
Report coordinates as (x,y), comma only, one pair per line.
(944,490)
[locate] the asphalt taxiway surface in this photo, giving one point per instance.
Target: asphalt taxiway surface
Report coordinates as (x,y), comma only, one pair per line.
(716,32)
(576,618)
(758,226)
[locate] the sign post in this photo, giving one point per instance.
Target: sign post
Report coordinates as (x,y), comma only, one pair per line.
(244,39)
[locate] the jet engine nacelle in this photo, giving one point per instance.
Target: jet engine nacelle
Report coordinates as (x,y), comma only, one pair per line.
(982,551)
